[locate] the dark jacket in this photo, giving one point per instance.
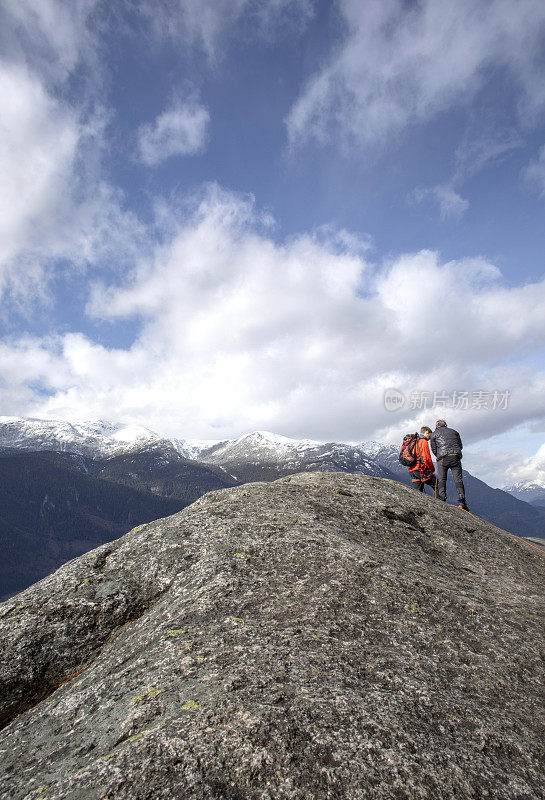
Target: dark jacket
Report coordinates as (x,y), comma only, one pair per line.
(445,442)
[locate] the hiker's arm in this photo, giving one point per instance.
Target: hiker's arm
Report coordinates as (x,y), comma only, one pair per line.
(433,444)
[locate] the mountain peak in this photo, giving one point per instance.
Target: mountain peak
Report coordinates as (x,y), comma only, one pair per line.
(133,433)
(273,439)
(529,491)
(265,435)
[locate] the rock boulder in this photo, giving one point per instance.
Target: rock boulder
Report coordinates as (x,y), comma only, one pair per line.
(326,636)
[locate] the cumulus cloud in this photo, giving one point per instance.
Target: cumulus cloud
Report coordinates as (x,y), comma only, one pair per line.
(403,63)
(524,387)
(527,469)
(38,143)
(59,213)
(179,131)
(55,204)
(508,467)
(238,331)
(58,203)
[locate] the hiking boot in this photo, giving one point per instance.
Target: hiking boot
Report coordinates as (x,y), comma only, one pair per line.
(462,504)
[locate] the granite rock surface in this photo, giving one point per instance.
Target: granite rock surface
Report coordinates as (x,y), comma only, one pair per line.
(325,636)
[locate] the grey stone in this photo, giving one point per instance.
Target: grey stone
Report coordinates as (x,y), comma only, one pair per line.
(327,636)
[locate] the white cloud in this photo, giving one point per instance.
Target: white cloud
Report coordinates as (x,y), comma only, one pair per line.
(59,214)
(206,23)
(534,173)
(38,142)
(475,152)
(403,63)
(481,149)
(239,332)
(55,205)
(507,467)
(58,205)
(179,131)
(450,203)
(525,387)
(52,37)
(527,469)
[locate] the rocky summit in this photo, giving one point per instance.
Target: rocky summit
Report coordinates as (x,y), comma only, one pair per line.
(324,636)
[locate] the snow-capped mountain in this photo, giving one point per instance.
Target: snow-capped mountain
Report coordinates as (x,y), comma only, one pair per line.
(102,439)
(252,456)
(529,491)
(262,454)
(95,439)
(92,439)
(385,454)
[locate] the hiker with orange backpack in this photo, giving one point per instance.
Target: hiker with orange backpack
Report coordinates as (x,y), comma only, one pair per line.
(415,454)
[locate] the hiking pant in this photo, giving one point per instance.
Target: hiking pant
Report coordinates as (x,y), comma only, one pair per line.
(454,463)
(419,485)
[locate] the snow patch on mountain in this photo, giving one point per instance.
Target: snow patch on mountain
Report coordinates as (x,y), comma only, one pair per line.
(266,450)
(264,443)
(95,438)
(133,434)
(529,491)
(379,449)
(261,445)
(194,448)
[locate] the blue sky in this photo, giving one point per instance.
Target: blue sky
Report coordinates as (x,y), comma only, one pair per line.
(224,215)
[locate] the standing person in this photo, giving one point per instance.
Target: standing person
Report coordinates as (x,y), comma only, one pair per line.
(447,448)
(422,474)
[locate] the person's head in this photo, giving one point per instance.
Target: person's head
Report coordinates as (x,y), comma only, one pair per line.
(425,432)
(440,423)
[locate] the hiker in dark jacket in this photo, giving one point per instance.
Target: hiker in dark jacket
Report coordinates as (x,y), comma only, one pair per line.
(446,446)
(422,473)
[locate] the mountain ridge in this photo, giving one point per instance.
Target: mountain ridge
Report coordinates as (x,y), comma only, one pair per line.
(103,439)
(52,509)
(529,491)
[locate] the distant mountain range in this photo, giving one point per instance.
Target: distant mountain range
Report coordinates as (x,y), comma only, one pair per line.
(67,488)
(94,439)
(529,491)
